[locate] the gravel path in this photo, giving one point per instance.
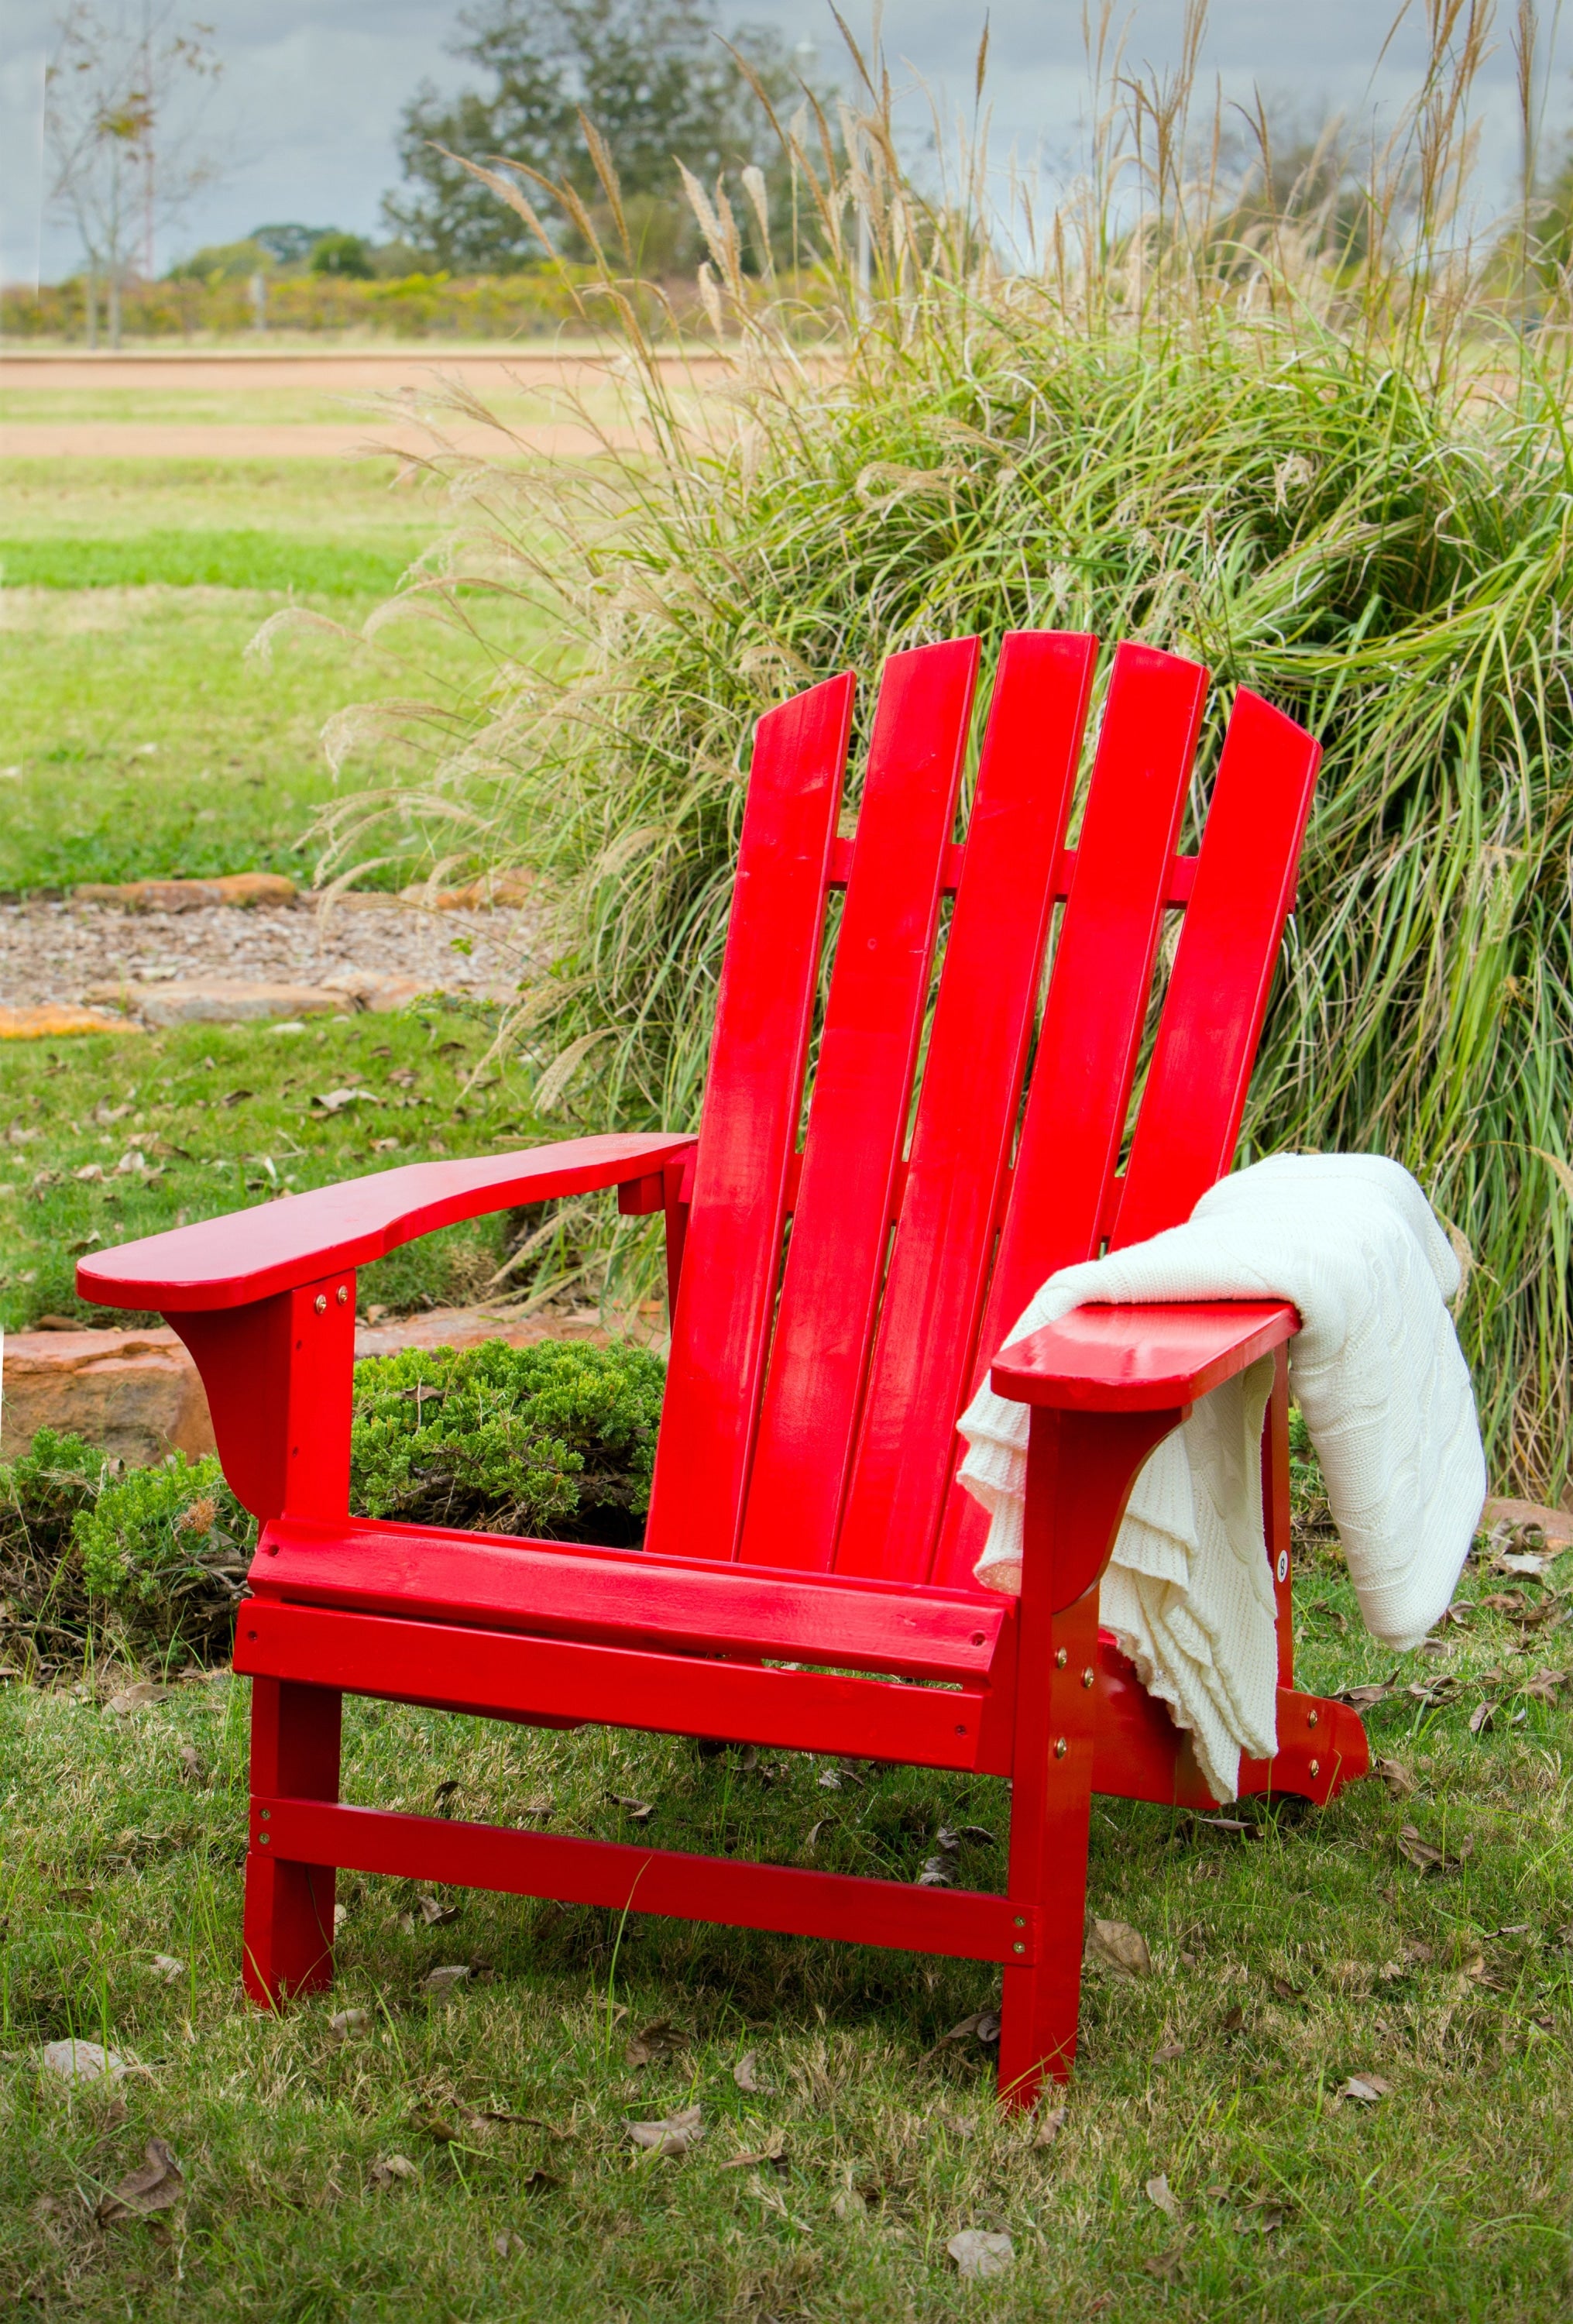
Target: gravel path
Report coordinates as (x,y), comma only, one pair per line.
(56,951)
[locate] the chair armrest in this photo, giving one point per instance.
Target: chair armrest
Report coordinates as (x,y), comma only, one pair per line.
(1147,1359)
(251,1255)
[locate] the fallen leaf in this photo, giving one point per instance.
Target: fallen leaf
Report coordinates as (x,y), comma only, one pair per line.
(1530,1561)
(134,1698)
(1118,1947)
(976,2253)
(1367,2089)
(745,2074)
(656,2041)
(982,2026)
(341,1913)
(1160,2192)
(1165,2265)
(639,1811)
(1233,2020)
(538,2182)
(156,2186)
(1365,1698)
(1167,2051)
(391,2169)
(1287,1992)
(1049,2127)
(1544,1686)
(1483,1717)
(814,1833)
(192,1770)
(773,2150)
(829,1781)
(507,2245)
(435,1915)
(445,1791)
(83,2061)
(334,1101)
(1429,1858)
(674,2134)
(168,1967)
(345,2022)
(1401,1785)
(443,1979)
(935,1874)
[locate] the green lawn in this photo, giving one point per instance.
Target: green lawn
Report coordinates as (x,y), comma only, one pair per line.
(137,737)
(225,1116)
(1286,1960)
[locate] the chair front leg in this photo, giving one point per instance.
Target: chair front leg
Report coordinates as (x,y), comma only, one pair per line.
(1080,1468)
(288,1934)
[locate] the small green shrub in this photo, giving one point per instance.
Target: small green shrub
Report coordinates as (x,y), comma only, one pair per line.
(558,1439)
(167,1548)
(45,1611)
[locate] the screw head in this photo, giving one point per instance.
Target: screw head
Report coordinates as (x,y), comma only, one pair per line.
(344,1293)
(1087,1678)
(1020,1922)
(1316,1766)
(262,1840)
(267,1815)
(1060,1747)
(1313,1718)
(1018,1949)
(1061,1659)
(320,1303)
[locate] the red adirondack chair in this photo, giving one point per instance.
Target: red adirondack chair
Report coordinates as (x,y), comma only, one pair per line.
(806,1577)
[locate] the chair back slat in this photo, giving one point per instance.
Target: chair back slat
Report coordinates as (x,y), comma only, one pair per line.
(1217,997)
(967,1110)
(753,1099)
(1093,1018)
(858,1117)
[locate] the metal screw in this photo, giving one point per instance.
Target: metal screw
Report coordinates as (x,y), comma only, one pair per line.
(1312,1719)
(1060,1747)
(262,1840)
(1316,1766)
(267,1814)
(342,1293)
(320,1303)
(1019,1923)
(1061,1659)
(1018,1949)
(1087,1678)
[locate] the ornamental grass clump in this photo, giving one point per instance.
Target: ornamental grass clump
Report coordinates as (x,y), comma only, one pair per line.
(1293,431)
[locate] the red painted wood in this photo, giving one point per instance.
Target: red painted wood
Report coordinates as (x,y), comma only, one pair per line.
(1080,1468)
(1110,1359)
(1090,1036)
(504,1674)
(287,1939)
(858,1118)
(250,1255)
(1139,1753)
(734,1246)
(966,1924)
(562,1590)
(1217,996)
(967,1112)
(278,1376)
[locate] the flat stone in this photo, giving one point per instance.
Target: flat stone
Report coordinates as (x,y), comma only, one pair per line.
(137,1394)
(216,1001)
(53,1018)
(244,888)
(379,991)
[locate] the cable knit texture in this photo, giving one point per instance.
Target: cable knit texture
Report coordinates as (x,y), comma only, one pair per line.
(1379,1376)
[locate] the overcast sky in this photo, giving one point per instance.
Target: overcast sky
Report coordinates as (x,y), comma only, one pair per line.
(312,90)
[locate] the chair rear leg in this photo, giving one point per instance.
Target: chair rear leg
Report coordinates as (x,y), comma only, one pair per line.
(288,1938)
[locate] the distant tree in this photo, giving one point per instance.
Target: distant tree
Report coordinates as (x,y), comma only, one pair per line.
(122,98)
(344,255)
(651,74)
(290,244)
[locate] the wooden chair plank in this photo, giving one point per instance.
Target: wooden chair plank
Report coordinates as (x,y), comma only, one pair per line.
(752,1102)
(1092,1031)
(857,1123)
(967,1111)
(1195,1092)
(425,1573)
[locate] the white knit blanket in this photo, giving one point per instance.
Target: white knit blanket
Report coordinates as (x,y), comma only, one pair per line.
(1380,1377)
